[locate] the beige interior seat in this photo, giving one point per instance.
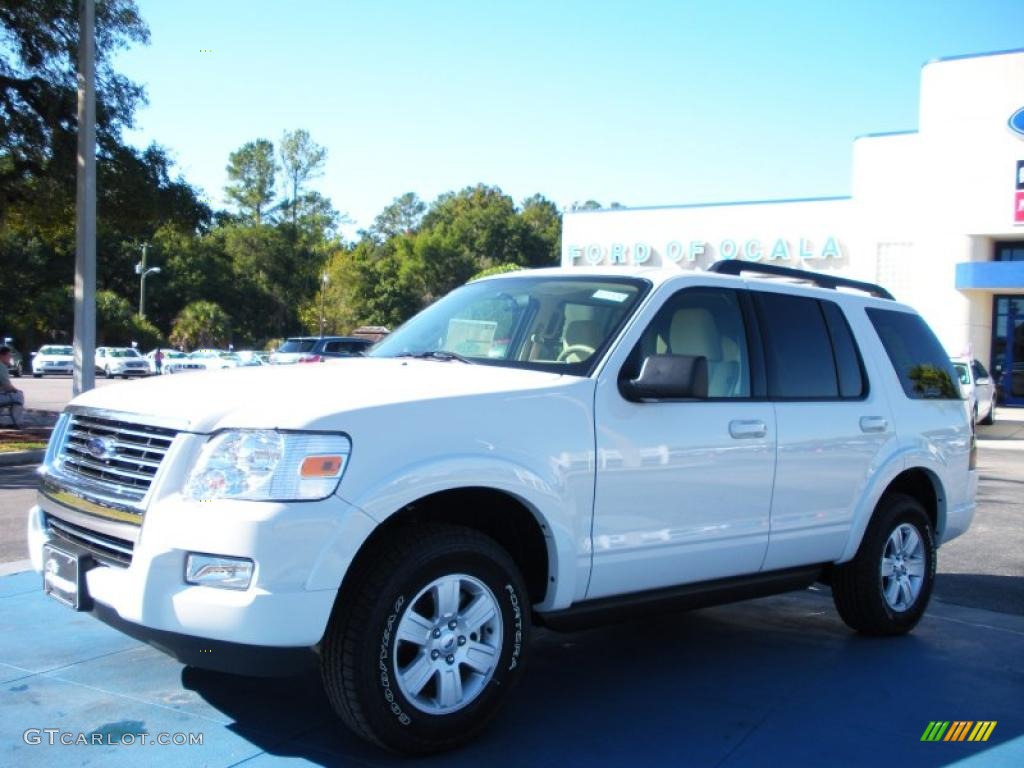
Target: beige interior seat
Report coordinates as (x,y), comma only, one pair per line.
(695,333)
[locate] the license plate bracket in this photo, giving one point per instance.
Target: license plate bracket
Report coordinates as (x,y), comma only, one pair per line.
(64,576)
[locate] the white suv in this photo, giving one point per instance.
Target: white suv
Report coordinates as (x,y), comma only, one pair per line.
(554,447)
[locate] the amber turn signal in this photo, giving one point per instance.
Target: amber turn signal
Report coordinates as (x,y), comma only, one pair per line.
(321,466)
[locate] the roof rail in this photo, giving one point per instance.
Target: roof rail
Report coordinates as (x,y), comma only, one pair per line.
(737,267)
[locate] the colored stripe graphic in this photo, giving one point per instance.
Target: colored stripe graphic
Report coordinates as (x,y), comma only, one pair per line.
(982,730)
(958,730)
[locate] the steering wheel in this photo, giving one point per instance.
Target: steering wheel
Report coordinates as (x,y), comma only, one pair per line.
(582,352)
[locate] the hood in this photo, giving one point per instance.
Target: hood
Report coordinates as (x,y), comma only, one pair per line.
(303,396)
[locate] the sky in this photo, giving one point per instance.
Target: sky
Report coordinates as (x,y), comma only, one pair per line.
(642,103)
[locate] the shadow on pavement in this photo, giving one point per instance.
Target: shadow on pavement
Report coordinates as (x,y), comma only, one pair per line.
(1003,594)
(777,681)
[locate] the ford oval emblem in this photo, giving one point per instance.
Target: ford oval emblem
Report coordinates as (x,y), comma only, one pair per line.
(101,447)
(1016,122)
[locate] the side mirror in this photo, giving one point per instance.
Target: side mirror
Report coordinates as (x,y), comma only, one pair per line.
(668,377)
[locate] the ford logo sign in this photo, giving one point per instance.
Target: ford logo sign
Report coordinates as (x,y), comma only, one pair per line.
(1016,121)
(101,447)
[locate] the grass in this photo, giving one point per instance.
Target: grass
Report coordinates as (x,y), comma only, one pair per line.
(21,445)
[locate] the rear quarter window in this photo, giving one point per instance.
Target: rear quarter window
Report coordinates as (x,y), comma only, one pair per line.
(923,368)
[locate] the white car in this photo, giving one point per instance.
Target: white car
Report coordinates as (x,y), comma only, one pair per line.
(120,361)
(169,355)
(203,360)
(978,388)
(53,358)
(559,447)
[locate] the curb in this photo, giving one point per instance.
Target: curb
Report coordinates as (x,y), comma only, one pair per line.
(19,458)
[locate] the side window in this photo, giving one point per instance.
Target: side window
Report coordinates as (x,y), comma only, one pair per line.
(849,365)
(701,322)
(979,371)
(924,369)
(798,348)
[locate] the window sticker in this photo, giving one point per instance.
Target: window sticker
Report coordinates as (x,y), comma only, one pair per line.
(615,296)
(470,337)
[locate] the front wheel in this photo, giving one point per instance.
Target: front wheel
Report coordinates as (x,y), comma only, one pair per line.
(37,375)
(990,418)
(885,589)
(427,640)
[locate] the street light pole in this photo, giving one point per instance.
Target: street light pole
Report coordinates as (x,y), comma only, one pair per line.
(142,272)
(323,292)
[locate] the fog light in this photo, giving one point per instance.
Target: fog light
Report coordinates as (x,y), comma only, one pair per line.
(214,571)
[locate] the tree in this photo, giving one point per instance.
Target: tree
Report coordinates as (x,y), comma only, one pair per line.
(401,216)
(302,159)
(201,324)
(38,87)
(251,170)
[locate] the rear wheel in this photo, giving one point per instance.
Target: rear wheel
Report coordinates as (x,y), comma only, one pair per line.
(885,589)
(427,639)
(990,417)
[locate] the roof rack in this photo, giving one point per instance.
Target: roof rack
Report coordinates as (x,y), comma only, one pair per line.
(736,267)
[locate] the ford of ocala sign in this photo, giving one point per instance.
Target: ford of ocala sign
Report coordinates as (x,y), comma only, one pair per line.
(1016,122)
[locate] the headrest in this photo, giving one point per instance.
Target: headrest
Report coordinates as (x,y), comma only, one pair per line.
(693,332)
(585,332)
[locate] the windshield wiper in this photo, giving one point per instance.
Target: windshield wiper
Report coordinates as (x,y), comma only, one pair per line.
(438,354)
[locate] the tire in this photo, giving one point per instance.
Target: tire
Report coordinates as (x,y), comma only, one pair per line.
(37,375)
(364,656)
(16,371)
(863,595)
(990,419)
(107,373)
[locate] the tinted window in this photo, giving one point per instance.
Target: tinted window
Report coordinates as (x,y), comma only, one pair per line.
(849,367)
(961,371)
(920,362)
(700,322)
(297,345)
(344,347)
(798,349)
(979,370)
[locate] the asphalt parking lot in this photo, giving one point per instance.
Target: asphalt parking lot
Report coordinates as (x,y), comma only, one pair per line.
(777,681)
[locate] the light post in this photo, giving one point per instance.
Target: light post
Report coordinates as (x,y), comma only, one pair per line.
(142,272)
(323,291)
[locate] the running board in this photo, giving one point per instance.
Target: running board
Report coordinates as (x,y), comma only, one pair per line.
(703,594)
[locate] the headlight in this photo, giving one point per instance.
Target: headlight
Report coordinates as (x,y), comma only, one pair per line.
(266,465)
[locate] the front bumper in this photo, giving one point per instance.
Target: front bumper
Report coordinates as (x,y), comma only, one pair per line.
(301,551)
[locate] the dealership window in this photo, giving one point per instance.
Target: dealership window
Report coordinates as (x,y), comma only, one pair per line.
(1008,348)
(1010,251)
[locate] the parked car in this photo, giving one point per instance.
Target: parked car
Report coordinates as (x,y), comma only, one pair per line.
(978,388)
(314,349)
(120,361)
(555,447)
(53,358)
(17,366)
(169,355)
(252,357)
(209,360)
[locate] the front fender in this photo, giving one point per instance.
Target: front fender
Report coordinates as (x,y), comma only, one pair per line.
(554,502)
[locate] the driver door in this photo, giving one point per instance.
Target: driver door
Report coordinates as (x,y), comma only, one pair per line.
(683,488)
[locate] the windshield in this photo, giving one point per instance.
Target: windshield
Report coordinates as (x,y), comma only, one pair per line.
(297,345)
(201,354)
(548,323)
(124,353)
(961,371)
(50,350)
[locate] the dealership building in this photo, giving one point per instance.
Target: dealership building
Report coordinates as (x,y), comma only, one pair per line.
(936,216)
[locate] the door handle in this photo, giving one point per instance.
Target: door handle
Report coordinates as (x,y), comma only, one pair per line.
(873,424)
(747,429)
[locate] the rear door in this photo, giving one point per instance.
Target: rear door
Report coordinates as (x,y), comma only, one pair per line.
(831,426)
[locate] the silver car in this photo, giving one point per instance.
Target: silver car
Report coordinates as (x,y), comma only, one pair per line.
(978,389)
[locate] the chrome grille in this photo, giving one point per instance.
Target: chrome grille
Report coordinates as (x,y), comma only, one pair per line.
(120,457)
(106,549)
